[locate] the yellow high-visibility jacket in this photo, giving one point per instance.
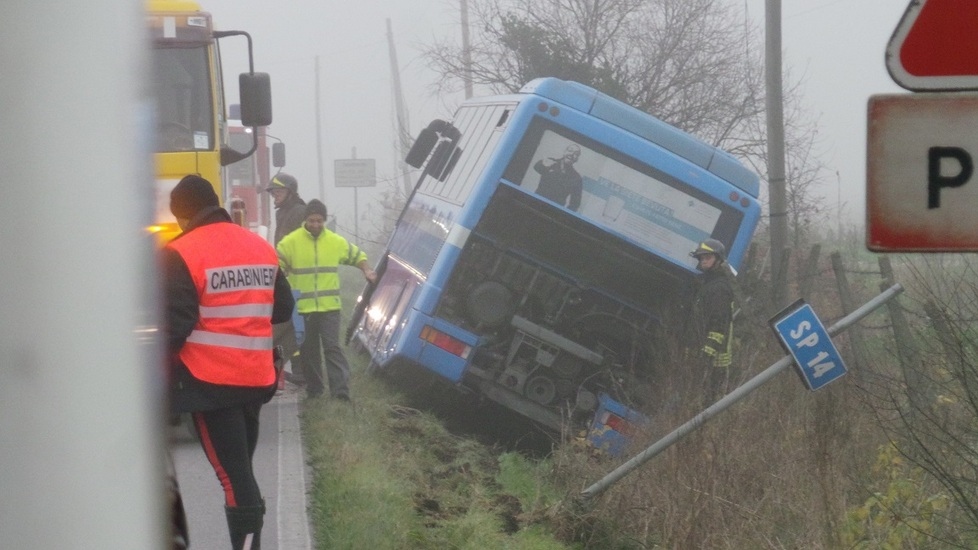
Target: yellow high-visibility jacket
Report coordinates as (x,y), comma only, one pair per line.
(311,265)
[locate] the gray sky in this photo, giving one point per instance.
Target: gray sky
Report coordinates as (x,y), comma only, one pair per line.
(835,46)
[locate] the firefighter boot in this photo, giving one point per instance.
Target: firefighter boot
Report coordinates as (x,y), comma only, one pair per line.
(244,524)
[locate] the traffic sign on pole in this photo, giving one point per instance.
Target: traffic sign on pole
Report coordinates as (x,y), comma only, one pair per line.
(804,337)
(354,173)
(935,46)
(920,167)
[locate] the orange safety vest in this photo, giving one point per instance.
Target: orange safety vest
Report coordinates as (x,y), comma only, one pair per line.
(234,272)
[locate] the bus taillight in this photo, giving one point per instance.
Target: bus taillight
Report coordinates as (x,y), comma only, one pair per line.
(444,341)
(618,424)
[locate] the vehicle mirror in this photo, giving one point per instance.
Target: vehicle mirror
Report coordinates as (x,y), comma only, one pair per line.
(255,90)
(278,154)
(421,148)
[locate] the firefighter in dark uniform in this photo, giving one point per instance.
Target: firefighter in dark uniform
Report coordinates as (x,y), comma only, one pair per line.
(710,334)
(222,291)
(290,209)
(290,212)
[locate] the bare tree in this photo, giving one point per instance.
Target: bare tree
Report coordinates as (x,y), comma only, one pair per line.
(696,64)
(691,63)
(929,408)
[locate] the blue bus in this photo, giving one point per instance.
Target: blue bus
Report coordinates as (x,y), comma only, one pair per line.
(543,249)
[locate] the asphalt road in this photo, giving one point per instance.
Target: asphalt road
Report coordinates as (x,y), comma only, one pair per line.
(282,475)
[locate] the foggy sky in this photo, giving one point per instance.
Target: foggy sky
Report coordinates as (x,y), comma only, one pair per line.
(836,48)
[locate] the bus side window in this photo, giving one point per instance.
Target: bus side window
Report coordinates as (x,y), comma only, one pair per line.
(443,160)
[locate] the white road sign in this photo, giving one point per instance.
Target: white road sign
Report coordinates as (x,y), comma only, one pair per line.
(354,173)
(922,188)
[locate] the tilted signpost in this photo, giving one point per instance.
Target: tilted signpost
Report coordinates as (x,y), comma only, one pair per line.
(811,345)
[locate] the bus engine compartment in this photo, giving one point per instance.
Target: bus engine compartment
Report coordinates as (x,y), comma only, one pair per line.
(565,313)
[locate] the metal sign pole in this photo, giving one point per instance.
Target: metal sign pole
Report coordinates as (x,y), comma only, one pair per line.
(734,396)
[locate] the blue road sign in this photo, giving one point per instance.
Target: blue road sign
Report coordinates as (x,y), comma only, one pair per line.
(804,336)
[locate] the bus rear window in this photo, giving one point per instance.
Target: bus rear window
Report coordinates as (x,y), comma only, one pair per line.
(644,204)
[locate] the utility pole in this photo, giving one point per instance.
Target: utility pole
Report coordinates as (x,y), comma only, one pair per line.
(777,209)
(838,204)
(356,206)
(319,138)
(466,49)
(403,126)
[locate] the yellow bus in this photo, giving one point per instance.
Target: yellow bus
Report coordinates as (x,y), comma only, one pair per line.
(191,115)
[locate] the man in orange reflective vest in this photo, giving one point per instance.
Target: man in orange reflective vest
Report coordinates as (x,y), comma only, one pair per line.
(223,291)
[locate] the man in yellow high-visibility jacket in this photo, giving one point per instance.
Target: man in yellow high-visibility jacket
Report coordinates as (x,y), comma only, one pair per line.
(310,256)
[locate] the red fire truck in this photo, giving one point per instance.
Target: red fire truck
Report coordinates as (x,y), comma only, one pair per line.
(245,181)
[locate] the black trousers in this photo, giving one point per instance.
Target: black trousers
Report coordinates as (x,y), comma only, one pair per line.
(323,339)
(229,437)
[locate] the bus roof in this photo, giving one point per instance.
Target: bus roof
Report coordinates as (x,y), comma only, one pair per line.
(626,117)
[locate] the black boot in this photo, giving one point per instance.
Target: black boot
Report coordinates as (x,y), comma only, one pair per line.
(244,524)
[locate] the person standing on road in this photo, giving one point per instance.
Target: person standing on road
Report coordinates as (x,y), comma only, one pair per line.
(709,335)
(222,293)
(290,212)
(310,256)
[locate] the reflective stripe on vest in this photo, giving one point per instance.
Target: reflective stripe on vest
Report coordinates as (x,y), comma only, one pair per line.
(312,266)
(234,272)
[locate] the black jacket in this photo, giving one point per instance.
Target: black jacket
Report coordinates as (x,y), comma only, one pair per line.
(289,216)
(181,302)
(712,309)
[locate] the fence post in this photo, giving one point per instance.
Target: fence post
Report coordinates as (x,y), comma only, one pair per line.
(856,340)
(906,350)
(942,327)
(810,271)
(909,358)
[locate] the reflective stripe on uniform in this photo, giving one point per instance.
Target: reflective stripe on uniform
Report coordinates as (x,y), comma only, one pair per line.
(317,269)
(318,294)
(234,311)
(235,341)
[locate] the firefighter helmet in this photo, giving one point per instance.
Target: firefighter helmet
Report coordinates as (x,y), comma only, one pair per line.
(710,246)
(284,181)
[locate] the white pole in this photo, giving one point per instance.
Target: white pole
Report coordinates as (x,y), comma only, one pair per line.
(80,429)
(727,401)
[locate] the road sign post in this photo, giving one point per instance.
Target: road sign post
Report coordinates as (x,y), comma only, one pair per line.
(804,337)
(726,402)
(355,173)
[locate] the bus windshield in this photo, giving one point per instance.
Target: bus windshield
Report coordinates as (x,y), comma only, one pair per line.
(182,88)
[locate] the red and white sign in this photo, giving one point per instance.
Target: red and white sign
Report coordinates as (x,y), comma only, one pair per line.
(922,173)
(935,46)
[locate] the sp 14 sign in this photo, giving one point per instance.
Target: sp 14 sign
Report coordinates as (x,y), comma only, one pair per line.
(804,337)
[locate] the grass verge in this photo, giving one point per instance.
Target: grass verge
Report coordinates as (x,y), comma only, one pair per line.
(389,476)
